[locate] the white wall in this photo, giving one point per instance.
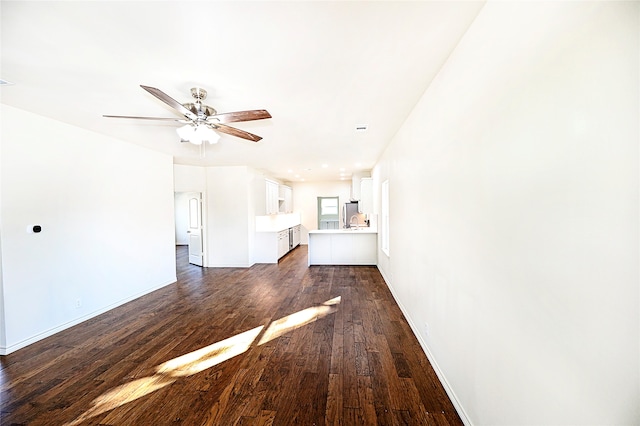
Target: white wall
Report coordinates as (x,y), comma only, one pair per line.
(181,208)
(3,340)
(305,201)
(189,178)
(106,211)
(229,194)
(521,163)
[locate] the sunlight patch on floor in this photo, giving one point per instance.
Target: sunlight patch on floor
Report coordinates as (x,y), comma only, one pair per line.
(202,359)
(197,361)
(123,394)
(301,318)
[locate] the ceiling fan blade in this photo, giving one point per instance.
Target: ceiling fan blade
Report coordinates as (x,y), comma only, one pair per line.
(170,101)
(233,117)
(237,132)
(144,118)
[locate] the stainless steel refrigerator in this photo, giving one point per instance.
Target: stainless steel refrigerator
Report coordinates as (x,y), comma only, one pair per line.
(349,211)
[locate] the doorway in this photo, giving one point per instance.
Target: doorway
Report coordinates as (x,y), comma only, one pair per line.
(189,227)
(328,213)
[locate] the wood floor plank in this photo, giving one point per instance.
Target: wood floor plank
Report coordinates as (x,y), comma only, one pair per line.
(195,353)
(334,400)
(349,371)
(380,388)
(266,418)
(337,345)
(365,394)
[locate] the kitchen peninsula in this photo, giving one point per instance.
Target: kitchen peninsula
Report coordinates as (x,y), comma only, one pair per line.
(343,246)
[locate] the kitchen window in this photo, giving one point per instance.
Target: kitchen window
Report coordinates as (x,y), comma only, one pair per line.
(328,213)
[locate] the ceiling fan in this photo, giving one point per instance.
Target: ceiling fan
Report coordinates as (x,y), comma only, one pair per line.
(201,120)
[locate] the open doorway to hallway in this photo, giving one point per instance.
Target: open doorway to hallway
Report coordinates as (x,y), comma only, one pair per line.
(189,226)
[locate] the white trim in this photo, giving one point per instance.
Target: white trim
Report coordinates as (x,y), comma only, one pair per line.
(6,350)
(443,380)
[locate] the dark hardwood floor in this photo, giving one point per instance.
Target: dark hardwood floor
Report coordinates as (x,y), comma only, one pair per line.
(277,344)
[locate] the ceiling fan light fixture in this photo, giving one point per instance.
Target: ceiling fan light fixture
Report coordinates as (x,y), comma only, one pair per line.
(206,134)
(186,132)
(197,134)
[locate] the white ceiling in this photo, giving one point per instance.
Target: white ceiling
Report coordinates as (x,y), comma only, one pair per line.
(320,68)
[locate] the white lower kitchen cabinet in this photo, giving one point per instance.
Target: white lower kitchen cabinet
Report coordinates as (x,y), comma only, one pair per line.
(343,247)
(365,250)
(296,236)
(320,249)
(283,243)
(271,246)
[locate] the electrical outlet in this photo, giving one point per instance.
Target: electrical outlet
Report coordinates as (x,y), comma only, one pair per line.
(78,303)
(426,329)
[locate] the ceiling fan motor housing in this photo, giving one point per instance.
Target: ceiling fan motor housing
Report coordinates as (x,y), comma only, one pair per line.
(198,93)
(198,108)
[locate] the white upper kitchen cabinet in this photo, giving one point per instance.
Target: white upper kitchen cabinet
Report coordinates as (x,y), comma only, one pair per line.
(357,187)
(285,199)
(366,196)
(272,194)
(272,197)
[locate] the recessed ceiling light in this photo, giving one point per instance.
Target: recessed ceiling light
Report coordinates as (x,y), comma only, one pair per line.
(297,176)
(289,171)
(358,164)
(324,166)
(342,169)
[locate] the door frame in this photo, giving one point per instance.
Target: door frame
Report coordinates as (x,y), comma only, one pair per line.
(203,207)
(319,209)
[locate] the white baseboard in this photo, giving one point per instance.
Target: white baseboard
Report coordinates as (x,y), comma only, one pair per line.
(447,387)
(6,350)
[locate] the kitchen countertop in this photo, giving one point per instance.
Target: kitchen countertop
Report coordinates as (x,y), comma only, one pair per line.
(364,230)
(276,229)
(277,222)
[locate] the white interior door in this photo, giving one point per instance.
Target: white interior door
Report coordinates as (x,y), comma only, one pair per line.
(195,228)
